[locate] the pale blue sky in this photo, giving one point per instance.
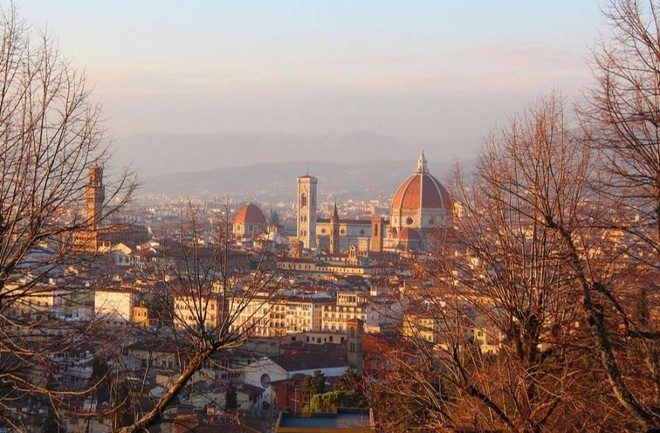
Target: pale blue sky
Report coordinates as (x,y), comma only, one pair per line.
(438,73)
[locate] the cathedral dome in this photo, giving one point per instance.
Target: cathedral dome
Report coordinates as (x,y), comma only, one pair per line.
(421,191)
(250,214)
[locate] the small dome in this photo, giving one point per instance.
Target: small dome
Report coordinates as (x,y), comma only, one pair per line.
(250,214)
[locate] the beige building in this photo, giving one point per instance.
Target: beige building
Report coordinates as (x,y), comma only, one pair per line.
(140,315)
(278,318)
(354,263)
(304,314)
(252,314)
(349,306)
(38,299)
(188,310)
(154,352)
(421,325)
(349,232)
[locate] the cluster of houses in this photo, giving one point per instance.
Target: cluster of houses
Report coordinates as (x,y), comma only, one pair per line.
(303,309)
(297,324)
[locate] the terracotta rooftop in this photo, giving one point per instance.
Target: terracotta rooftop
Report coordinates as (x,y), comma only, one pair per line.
(421,190)
(250,213)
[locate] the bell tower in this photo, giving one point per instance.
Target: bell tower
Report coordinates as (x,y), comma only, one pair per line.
(306,214)
(354,352)
(334,231)
(95,196)
(376,234)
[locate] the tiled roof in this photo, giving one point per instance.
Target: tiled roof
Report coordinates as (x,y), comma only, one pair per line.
(421,191)
(310,361)
(250,214)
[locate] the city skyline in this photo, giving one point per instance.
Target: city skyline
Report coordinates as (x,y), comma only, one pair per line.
(432,74)
(242,242)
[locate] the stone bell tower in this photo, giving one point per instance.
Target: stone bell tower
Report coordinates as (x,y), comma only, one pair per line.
(334,231)
(87,238)
(354,352)
(376,243)
(95,196)
(306,210)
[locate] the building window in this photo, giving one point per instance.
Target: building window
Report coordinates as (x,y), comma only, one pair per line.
(409,220)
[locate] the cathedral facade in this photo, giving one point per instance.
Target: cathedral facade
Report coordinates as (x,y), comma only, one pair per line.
(421,207)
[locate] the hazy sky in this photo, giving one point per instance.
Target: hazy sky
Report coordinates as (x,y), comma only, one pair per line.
(438,73)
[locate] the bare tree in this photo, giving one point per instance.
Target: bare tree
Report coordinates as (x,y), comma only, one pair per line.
(50,137)
(501,307)
(621,118)
(553,220)
(215,295)
(544,176)
(531,292)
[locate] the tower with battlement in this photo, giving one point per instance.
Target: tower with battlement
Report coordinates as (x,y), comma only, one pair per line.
(95,196)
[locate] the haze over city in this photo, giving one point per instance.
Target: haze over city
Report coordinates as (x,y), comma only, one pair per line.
(437,75)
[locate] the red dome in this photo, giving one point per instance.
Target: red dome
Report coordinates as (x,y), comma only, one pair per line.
(421,191)
(250,214)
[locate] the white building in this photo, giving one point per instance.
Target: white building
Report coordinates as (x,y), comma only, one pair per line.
(274,369)
(115,305)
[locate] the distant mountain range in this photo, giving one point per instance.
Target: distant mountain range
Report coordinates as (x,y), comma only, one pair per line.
(263,166)
(277,181)
(163,154)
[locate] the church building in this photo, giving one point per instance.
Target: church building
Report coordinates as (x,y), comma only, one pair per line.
(249,221)
(421,208)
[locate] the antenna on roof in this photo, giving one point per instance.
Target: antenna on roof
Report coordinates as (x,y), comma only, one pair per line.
(307,168)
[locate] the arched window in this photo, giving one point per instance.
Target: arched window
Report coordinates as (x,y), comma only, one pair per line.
(303,200)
